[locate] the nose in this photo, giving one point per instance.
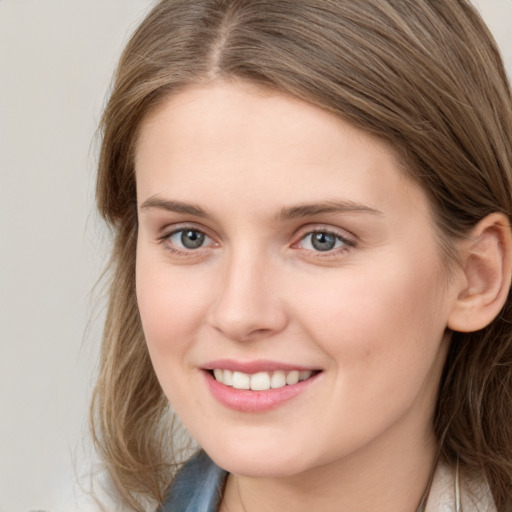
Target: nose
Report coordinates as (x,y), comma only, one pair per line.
(248,304)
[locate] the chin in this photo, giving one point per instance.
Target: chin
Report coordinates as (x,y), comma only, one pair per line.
(258,461)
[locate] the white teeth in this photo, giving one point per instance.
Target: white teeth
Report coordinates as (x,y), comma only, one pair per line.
(304,375)
(278,380)
(228,377)
(260,381)
(292,378)
(241,380)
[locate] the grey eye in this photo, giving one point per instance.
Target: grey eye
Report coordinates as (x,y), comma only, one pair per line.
(322,241)
(188,238)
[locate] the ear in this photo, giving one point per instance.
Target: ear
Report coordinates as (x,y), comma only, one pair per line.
(486,267)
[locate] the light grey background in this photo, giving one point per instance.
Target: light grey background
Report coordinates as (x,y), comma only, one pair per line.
(56,60)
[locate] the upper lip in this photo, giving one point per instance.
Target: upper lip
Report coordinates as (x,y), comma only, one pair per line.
(251,367)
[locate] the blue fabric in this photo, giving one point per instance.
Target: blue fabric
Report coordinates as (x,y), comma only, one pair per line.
(197,487)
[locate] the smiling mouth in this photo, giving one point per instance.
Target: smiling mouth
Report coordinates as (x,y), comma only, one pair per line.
(261,381)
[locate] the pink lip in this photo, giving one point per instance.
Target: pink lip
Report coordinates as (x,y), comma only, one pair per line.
(253,366)
(246,400)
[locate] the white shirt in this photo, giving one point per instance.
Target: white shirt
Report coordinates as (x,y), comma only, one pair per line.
(466,496)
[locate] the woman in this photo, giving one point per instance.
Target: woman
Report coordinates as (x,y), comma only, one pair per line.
(311,204)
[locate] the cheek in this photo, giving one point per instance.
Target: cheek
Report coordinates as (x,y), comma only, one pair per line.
(171,305)
(383,327)
(171,310)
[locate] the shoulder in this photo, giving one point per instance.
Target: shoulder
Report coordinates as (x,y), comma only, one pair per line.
(197,486)
(448,489)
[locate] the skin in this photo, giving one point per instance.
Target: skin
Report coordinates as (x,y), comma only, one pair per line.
(371,313)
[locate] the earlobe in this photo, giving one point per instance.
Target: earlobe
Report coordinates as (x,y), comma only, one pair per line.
(487,268)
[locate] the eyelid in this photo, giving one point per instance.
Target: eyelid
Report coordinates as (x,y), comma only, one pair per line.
(167,232)
(170,229)
(348,239)
(343,234)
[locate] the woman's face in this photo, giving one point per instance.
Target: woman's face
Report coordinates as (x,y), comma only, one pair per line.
(277,242)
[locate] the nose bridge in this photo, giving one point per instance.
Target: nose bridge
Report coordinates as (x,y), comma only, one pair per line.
(247,305)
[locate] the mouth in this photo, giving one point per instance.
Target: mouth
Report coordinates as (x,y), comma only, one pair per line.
(258,386)
(261,381)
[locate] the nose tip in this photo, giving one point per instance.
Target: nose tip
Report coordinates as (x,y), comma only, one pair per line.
(245,328)
(247,305)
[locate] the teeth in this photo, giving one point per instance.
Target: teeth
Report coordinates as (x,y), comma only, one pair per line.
(241,380)
(292,378)
(228,378)
(278,380)
(260,381)
(305,374)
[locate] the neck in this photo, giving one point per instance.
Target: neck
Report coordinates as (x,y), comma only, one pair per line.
(390,477)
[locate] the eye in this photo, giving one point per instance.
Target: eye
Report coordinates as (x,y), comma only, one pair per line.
(323,241)
(188,239)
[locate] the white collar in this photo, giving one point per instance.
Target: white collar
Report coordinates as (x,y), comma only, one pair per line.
(451,492)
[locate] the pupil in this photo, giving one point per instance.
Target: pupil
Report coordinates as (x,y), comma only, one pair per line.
(323,241)
(192,239)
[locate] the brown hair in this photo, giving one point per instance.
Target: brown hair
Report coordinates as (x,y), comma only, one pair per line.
(424,75)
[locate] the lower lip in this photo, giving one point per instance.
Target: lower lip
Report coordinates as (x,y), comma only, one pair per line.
(246,400)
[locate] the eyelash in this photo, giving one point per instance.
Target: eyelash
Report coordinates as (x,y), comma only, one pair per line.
(166,240)
(345,243)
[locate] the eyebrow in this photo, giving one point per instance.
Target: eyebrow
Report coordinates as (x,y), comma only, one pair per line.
(308,210)
(286,213)
(173,206)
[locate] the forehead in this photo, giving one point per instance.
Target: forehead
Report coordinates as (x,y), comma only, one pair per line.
(238,112)
(241,140)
